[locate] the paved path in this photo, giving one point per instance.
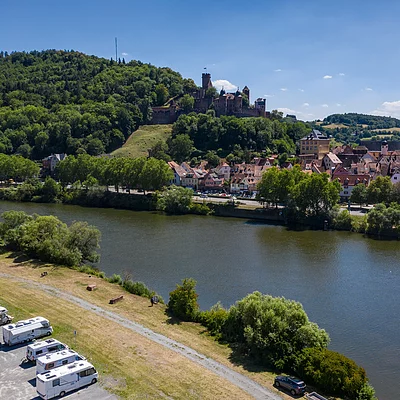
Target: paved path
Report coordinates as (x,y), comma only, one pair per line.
(256,390)
(18,381)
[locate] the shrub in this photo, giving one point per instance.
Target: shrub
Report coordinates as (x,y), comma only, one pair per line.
(359,224)
(175,200)
(367,392)
(199,209)
(138,288)
(272,329)
(332,371)
(115,279)
(183,301)
(214,319)
(342,221)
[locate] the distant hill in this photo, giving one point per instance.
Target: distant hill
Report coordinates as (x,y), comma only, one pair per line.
(65,101)
(364,120)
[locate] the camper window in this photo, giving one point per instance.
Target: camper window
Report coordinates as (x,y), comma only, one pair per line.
(50,366)
(39,352)
(56,382)
(87,372)
(65,362)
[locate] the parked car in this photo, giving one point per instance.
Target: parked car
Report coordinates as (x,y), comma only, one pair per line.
(290,383)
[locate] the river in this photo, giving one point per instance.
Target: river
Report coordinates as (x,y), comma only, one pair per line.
(348,284)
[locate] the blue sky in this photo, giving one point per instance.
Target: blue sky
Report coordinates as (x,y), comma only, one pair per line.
(312,58)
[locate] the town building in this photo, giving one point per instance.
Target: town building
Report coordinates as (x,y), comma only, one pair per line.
(315,145)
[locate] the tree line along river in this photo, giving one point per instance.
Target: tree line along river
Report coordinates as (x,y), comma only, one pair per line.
(348,284)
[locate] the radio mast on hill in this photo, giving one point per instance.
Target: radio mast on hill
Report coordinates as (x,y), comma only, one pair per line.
(116,49)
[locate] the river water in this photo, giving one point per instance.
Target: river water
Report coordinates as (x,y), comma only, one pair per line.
(348,284)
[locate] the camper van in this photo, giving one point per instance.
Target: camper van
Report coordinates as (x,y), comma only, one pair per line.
(24,331)
(54,360)
(67,378)
(41,347)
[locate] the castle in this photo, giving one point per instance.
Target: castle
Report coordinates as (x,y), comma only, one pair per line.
(224,104)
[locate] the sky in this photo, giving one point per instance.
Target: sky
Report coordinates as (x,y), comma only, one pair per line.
(307,57)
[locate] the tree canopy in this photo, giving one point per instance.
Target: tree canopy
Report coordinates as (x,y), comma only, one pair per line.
(65,101)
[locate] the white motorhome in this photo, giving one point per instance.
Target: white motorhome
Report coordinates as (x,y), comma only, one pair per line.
(54,360)
(67,378)
(4,317)
(42,347)
(24,331)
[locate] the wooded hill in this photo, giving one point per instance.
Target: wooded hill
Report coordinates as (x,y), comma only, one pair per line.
(65,101)
(357,128)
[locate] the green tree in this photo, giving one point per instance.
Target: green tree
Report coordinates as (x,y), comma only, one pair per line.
(180,148)
(187,102)
(175,200)
(183,301)
(155,174)
(273,329)
(316,195)
(160,151)
(50,190)
(213,159)
(85,239)
(359,194)
(380,190)
(331,371)
(162,94)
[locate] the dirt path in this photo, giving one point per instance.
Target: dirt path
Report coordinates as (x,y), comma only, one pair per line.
(248,385)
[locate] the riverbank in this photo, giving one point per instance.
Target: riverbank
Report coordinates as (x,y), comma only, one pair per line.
(130,365)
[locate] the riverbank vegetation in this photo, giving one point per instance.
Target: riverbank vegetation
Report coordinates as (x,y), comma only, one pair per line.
(313,198)
(48,239)
(277,333)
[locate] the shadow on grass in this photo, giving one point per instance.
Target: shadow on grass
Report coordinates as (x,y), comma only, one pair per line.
(240,357)
(172,320)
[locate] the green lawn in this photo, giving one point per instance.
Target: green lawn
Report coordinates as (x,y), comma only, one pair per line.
(142,140)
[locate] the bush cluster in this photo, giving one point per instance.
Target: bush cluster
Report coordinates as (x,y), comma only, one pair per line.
(276,332)
(48,239)
(137,288)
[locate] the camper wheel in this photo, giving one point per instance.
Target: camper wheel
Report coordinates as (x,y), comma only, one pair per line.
(48,333)
(62,394)
(94,380)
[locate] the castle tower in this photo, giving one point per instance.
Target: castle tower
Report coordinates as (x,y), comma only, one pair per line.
(206,81)
(246,91)
(384,148)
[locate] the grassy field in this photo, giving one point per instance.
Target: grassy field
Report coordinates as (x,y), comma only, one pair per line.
(130,365)
(334,126)
(142,140)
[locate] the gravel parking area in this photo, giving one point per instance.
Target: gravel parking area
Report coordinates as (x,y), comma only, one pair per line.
(18,381)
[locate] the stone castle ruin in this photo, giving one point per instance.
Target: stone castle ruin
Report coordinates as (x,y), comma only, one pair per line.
(224,104)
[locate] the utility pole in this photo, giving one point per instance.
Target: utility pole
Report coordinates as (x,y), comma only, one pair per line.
(116,49)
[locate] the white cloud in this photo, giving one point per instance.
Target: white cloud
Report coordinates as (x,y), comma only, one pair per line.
(327,77)
(223,83)
(277,70)
(306,104)
(301,90)
(125,54)
(268,95)
(388,108)
(342,74)
(325,105)
(284,89)
(338,105)
(368,89)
